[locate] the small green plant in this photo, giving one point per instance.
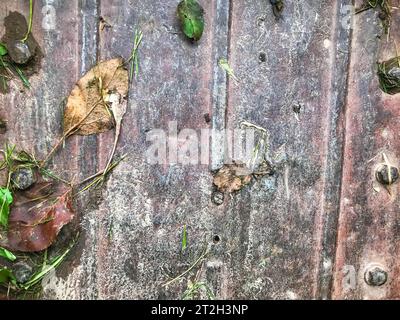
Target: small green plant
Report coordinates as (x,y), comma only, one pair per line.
(385,11)
(6,200)
(97,179)
(47,267)
(134,58)
(8,278)
(198,260)
(30,21)
(223,63)
(389,75)
(184,238)
(7,254)
(3,49)
(8,69)
(194,290)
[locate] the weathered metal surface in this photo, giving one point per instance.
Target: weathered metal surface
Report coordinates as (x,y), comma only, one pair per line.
(369,220)
(299,233)
(286,219)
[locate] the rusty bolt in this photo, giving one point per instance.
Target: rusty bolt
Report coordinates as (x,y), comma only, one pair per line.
(20,52)
(383,176)
(375,276)
(22,271)
(217,198)
(23,178)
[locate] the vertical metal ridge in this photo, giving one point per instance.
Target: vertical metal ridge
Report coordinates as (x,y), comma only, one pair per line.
(221,43)
(89,39)
(330,211)
(88,161)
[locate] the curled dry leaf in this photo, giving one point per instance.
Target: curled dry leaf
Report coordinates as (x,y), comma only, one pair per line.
(87,110)
(231,178)
(36,218)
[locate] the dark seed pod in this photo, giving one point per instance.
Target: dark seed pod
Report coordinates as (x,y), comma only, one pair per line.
(23,178)
(22,272)
(19,52)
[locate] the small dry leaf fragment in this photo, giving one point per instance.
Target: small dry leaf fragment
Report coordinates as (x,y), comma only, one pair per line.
(118,108)
(231,178)
(87,110)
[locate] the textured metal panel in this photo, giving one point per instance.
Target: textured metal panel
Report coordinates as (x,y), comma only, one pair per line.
(369,218)
(304,232)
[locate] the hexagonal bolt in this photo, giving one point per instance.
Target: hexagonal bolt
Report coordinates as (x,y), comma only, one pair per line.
(375,276)
(383,176)
(217,197)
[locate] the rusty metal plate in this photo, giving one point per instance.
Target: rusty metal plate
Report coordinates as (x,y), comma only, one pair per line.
(309,231)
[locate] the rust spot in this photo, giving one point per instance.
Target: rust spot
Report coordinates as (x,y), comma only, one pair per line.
(231,178)
(207,117)
(3,126)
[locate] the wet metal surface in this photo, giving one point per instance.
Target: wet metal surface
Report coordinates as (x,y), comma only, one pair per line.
(311,230)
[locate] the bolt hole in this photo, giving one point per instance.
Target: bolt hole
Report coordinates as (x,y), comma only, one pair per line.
(297,108)
(216,239)
(262,57)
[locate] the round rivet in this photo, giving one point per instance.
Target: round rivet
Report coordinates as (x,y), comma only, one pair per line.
(23,178)
(217,198)
(22,272)
(375,276)
(387,174)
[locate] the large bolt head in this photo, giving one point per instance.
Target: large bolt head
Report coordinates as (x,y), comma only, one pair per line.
(375,276)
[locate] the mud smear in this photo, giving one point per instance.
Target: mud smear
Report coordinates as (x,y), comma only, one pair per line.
(29,58)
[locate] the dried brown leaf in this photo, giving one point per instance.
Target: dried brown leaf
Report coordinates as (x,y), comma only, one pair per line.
(34,227)
(231,178)
(87,110)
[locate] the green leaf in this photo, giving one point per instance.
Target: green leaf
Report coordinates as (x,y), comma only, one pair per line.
(38,276)
(5,201)
(191,16)
(7,254)
(6,276)
(3,49)
(223,63)
(184,238)
(21,75)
